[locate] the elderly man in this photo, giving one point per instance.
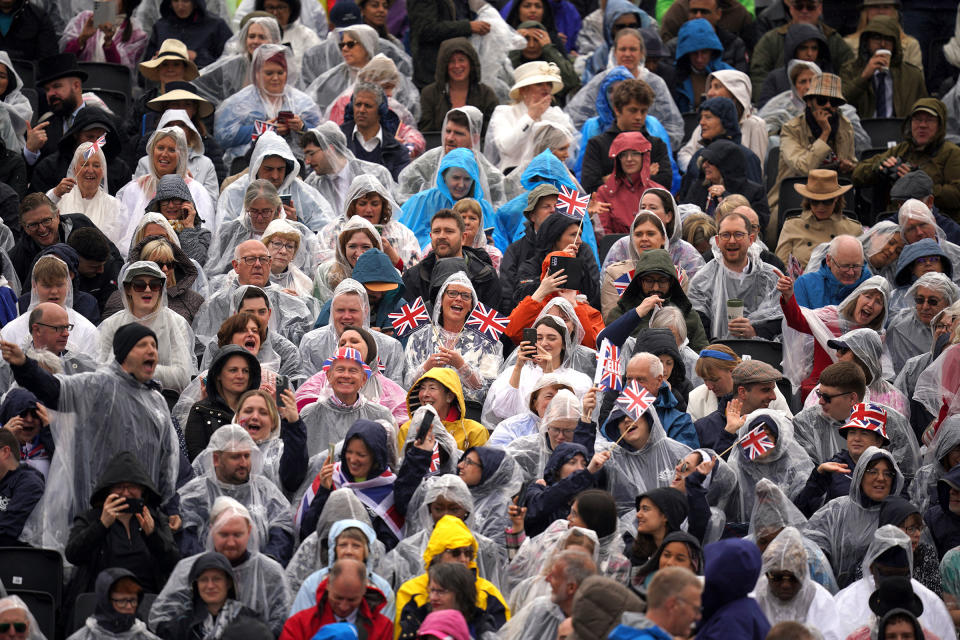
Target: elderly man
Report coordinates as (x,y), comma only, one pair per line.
(917,185)
(273,160)
(673,607)
(540,617)
(21,487)
(290,316)
(738,277)
(350,307)
(841,271)
(909,331)
(95,414)
(918,222)
(233,469)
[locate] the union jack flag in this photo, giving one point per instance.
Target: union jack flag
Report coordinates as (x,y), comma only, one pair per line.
(680,275)
(608,371)
(621,283)
(756,443)
(260,127)
(409,317)
(872,416)
(95,146)
(571,203)
(487,322)
(635,399)
(435,457)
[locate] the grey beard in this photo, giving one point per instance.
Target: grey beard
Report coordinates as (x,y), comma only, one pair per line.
(46,359)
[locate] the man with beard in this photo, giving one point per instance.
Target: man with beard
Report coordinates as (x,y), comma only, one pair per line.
(62,82)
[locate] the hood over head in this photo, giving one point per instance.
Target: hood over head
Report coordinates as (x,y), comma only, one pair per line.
(772,510)
(693,548)
(17,401)
(890,541)
(886,26)
(611,428)
(661,342)
(949,480)
(928,105)
(695,35)
(562,411)
(920,249)
(787,553)
(499,472)
(671,502)
(731,569)
(727,156)
(546,167)
(726,111)
(561,309)
(447,272)
(271,144)
(870,455)
(108,617)
(339,527)
(445,376)
(868,347)
(799,33)
(194,139)
(342,504)
(450,532)
(564,453)
(617,8)
(448,450)
(375,437)
(895,510)
(461,158)
(14,82)
(873,283)
(737,83)
(603,102)
(450,47)
(219,361)
(124,467)
(212,560)
(349,286)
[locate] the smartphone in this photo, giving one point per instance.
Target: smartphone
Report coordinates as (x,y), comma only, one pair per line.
(522,496)
(283,116)
(134,505)
(104,12)
(282,384)
(286,200)
(426,423)
(530,335)
(572,268)
(331,451)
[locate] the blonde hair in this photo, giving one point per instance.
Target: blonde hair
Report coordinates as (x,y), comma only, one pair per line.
(161,249)
(270,402)
(50,270)
(730,203)
(706,366)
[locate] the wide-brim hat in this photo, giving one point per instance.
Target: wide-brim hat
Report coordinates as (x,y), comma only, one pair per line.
(171,49)
(62,65)
(204,108)
(828,85)
(822,185)
(534,73)
(895,593)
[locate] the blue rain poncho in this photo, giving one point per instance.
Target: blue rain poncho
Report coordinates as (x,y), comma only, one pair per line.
(234,120)
(418,210)
(231,72)
(313,210)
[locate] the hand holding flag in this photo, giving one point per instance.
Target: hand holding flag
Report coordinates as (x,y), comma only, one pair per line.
(608,367)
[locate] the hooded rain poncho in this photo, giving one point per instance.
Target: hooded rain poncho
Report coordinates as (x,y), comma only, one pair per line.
(231,72)
(18,110)
(500,480)
(201,167)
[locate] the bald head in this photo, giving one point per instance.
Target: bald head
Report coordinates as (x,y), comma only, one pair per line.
(751,216)
(845,259)
(48,322)
(347,586)
(249,270)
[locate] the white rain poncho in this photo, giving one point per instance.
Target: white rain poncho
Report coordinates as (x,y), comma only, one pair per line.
(231,72)
(137,194)
(326,55)
(337,268)
(494,494)
(772,511)
(496,71)
(319,344)
(381,70)
(421,174)
(200,166)
(399,236)
(526,423)
(230,234)
(15,109)
(923,489)
(332,82)
(906,335)
(938,386)
(504,400)
(787,465)
(289,316)
(267,506)
(292,278)
(914,209)
(327,420)
(507,143)
(722,492)
(482,356)
(176,364)
(446,444)
(8,603)
(532,452)
(852,602)
(260,581)
(405,561)
(234,120)
(105,211)
(201,285)
(537,620)
(584,359)
(844,527)
(313,210)
(343,168)
(714,284)
(812,602)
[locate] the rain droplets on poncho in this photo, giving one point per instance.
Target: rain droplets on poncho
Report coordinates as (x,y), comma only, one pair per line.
(907,335)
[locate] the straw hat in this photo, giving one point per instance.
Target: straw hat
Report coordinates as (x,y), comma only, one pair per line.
(181,91)
(535,73)
(822,185)
(171,49)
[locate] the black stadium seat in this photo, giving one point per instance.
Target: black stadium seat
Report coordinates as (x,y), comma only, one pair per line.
(106,75)
(26,568)
(883,131)
(41,605)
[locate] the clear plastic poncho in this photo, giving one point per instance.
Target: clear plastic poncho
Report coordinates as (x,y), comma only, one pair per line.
(292,278)
(493,496)
(382,70)
(906,335)
(714,284)
(318,344)
(812,603)
(583,358)
(176,364)
(337,268)
(844,527)
(532,452)
(311,17)
(527,567)
(914,209)
(8,603)
(446,443)
(16,111)
(326,55)
(200,166)
(260,581)
(264,501)
(923,489)
(482,356)
(327,420)
(332,82)
(230,234)
(496,71)
(525,423)
(405,561)
(230,73)
(201,285)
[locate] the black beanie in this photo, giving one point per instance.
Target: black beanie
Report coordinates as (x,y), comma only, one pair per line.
(127,337)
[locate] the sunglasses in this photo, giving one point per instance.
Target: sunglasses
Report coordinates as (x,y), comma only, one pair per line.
(824,101)
(930,301)
(19,627)
(154,284)
(781,576)
(827,397)
(348,44)
(461,552)
(163,264)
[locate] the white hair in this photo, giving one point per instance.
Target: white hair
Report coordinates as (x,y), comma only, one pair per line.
(654,366)
(670,317)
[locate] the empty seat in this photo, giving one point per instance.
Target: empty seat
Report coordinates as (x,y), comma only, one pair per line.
(29,569)
(42,607)
(106,75)
(433,138)
(690,122)
(883,131)
(116,101)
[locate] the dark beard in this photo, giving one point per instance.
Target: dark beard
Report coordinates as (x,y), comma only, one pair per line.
(66,107)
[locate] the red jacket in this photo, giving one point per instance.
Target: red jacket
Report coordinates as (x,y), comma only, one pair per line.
(371,624)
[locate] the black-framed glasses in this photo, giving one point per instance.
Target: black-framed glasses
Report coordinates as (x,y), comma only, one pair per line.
(805,6)
(630,25)
(59,328)
(125,602)
(33,226)
(828,397)
(736,235)
(252,260)
(781,576)
(19,627)
(463,295)
(154,284)
(652,281)
(929,300)
(695,607)
(164,264)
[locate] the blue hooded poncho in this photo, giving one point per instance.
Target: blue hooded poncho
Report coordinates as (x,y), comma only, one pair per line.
(614,10)
(605,117)
(415,214)
(510,223)
(696,35)
(731,570)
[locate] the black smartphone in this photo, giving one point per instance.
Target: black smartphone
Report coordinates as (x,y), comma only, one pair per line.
(286,200)
(134,505)
(530,335)
(284,116)
(522,495)
(572,268)
(426,423)
(282,384)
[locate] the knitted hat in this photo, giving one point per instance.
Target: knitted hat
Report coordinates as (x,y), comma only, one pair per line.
(127,337)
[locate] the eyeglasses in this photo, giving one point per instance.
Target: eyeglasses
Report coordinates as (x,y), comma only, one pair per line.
(261,212)
(941,326)
(846,267)
(125,602)
(825,100)
(629,25)
(19,627)
(824,202)
(930,301)
(699,11)
(461,552)
(914,529)
(33,226)
(154,284)
(463,295)
(566,433)
(282,246)
(252,260)
(876,473)
(828,398)
(928,260)
(736,235)
(781,576)
(59,328)
(348,44)
(683,464)
(469,462)
(654,281)
(697,608)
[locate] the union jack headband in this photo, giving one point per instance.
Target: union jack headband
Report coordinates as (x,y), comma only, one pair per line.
(347,353)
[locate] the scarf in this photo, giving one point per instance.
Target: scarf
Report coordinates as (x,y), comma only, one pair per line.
(376,494)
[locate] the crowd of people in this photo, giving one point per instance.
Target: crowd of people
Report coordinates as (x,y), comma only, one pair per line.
(470,319)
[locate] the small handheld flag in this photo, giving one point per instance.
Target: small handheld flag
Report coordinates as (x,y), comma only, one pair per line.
(410,317)
(95,146)
(487,322)
(793,267)
(571,203)
(635,399)
(756,443)
(608,368)
(260,127)
(622,282)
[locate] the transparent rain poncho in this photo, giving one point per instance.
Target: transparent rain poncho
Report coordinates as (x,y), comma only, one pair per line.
(938,386)
(482,356)
(332,82)
(328,420)
(526,570)
(105,211)
(844,527)
(496,71)
(714,284)
(292,277)
(230,234)
(547,135)
(812,602)
(344,167)
(853,602)
(721,487)
(319,344)
(337,267)
(532,452)
(772,511)
(201,285)
(326,55)
(231,72)
(8,603)
(311,17)
(914,209)
(907,335)
(381,70)
(176,364)
(15,109)
(137,194)
(260,581)
(200,166)
(265,502)
(580,357)
(421,174)
(494,494)
(405,561)
(525,423)
(234,124)
(923,489)
(446,443)
(399,236)
(504,401)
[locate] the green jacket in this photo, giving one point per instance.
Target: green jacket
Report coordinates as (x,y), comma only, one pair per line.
(908,83)
(768,54)
(939,159)
(658,260)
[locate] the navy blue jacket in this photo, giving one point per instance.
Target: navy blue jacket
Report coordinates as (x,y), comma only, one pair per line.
(20,491)
(552,502)
(711,428)
(732,567)
(824,487)
(944,525)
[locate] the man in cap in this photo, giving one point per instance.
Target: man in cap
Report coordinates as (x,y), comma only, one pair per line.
(754,387)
